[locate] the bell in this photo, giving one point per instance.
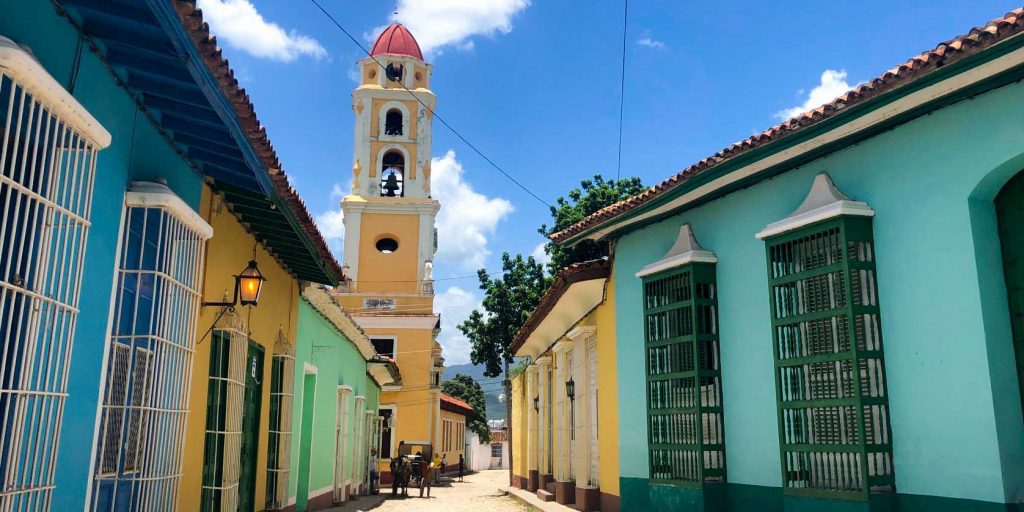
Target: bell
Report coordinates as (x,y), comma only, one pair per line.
(391,185)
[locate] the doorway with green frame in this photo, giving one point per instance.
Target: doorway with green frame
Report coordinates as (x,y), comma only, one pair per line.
(305,441)
(1010,215)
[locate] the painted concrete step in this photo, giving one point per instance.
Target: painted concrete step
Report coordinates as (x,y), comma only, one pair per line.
(545,495)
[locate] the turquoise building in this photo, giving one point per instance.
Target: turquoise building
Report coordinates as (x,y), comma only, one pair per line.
(828,314)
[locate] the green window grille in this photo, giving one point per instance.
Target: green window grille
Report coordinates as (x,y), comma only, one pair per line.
(686,440)
(833,413)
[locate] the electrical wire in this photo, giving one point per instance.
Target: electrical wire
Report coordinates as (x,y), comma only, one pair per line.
(432,112)
(622,85)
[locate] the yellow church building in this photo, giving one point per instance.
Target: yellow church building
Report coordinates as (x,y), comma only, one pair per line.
(390,238)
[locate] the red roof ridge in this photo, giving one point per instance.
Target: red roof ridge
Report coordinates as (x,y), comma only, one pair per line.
(977,39)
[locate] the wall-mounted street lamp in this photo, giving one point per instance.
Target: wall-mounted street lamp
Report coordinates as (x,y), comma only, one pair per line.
(248,285)
(536,403)
(570,391)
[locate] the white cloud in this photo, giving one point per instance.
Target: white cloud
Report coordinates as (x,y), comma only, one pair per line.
(833,83)
(332,223)
(645,40)
(241,25)
(439,23)
(468,219)
(455,305)
(538,254)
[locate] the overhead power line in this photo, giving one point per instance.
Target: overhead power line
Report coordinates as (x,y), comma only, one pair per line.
(622,84)
(432,112)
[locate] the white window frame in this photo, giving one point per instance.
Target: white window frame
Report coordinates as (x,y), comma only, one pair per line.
(342,453)
(394,341)
(49,182)
(178,246)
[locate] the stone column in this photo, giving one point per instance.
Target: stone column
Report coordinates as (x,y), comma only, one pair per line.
(588,495)
(544,431)
(531,429)
(564,487)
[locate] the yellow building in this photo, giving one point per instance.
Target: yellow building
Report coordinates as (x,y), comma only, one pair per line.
(390,239)
(453,430)
(564,410)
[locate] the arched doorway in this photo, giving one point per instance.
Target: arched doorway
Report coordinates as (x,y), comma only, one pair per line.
(1010,215)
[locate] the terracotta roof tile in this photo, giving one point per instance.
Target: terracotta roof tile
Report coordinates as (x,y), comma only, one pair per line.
(192,19)
(979,38)
(455,403)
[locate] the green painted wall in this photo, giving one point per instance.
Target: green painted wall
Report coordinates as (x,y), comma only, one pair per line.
(955,411)
(336,361)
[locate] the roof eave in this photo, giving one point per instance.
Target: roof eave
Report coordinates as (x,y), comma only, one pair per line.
(959,56)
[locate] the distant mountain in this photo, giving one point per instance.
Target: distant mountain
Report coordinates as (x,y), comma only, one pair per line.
(491,385)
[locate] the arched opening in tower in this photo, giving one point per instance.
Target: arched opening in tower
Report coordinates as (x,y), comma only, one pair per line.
(392,178)
(393,122)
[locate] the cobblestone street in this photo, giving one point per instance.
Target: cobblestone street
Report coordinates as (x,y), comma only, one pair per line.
(479,492)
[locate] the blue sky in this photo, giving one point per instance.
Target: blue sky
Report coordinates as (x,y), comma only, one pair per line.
(535,86)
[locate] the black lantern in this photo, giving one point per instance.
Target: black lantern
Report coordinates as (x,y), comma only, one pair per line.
(570,389)
(248,285)
(536,403)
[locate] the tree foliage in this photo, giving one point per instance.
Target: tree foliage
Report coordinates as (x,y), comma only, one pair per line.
(590,197)
(465,388)
(508,302)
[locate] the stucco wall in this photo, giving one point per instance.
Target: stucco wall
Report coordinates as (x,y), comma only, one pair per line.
(955,413)
(519,426)
(336,361)
(144,156)
(229,250)
(607,392)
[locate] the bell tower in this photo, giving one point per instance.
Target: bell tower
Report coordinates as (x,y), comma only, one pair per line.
(390,238)
(389,215)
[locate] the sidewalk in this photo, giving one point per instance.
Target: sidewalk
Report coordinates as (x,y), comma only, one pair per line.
(533,502)
(360,504)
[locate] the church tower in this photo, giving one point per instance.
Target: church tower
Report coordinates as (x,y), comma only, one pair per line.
(390,239)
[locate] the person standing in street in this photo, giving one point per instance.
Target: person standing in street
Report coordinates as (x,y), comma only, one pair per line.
(437,469)
(444,466)
(462,467)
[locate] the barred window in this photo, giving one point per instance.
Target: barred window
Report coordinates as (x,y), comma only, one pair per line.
(830,376)
(48,150)
(142,419)
(686,440)
(279,446)
(222,451)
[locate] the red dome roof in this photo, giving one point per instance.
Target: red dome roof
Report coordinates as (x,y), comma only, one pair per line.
(397,40)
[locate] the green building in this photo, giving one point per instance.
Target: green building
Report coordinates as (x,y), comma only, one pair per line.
(336,393)
(846,334)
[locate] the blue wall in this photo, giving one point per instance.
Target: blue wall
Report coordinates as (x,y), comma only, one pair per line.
(955,410)
(35,23)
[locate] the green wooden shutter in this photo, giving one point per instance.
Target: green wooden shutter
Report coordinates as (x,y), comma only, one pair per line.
(686,440)
(833,413)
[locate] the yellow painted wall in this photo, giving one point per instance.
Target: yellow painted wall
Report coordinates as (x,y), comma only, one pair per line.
(519,425)
(410,106)
(417,404)
(228,252)
(410,162)
(396,272)
(457,448)
(607,392)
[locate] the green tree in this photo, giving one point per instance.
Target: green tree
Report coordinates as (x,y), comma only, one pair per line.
(508,302)
(465,388)
(590,197)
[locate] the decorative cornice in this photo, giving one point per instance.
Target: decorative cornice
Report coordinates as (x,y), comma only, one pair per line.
(823,202)
(685,250)
(26,70)
(544,361)
(146,194)
(562,346)
(581,331)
